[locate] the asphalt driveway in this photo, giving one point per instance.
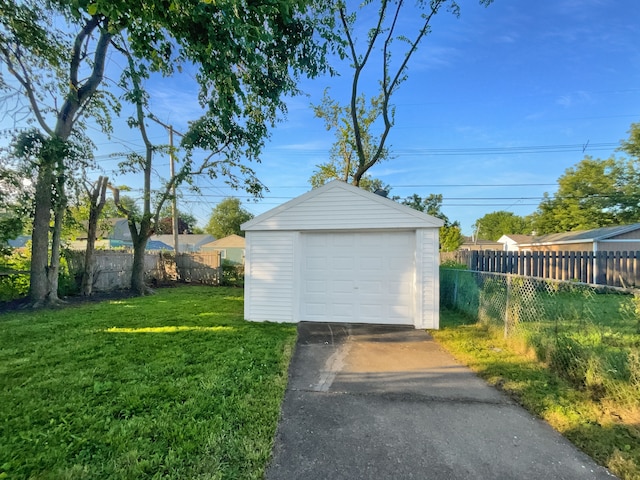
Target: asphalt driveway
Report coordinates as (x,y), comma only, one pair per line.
(386,402)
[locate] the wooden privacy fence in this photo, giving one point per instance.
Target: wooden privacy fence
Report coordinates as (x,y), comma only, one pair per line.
(616,269)
(113,269)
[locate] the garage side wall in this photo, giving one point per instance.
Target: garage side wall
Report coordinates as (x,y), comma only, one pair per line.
(428,277)
(270,276)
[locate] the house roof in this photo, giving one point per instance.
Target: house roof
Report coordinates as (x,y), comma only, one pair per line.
(515,237)
(19,242)
(185,239)
(594,235)
(479,241)
(338,205)
(157,245)
(230,241)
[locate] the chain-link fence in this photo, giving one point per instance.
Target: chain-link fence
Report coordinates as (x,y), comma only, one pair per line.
(589,335)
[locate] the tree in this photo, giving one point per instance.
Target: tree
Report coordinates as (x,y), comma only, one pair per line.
(450,234)
(595,193)
(97,195)
(495,224)
(226,218)
(329,171)
(187,223)
(357,122)
(631,146)
(12,215)
(248,55)
(343,154)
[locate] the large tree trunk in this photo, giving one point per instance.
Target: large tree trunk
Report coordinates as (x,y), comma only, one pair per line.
(39,286)
(137,272)
(43,283)
(139,237)
(97,199)
(54,265)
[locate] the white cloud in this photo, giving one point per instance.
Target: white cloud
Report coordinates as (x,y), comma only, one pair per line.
(574,98)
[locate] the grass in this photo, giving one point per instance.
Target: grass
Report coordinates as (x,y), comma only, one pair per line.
(589,336)
(173,386)
(607,432)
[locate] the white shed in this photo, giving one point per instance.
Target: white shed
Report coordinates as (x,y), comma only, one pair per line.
(341,254)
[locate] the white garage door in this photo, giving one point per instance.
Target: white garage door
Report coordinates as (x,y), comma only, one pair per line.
(358,277)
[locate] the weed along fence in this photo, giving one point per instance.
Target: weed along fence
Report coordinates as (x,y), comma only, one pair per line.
(113,269)
(616,269)
(588,334)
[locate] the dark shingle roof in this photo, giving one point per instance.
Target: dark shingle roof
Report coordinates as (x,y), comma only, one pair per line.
(593,235)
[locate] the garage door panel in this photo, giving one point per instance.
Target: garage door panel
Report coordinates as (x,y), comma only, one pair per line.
(342,287)
(372,286)
(400,287)
(315,264)
(358,277)
(371,263)
(341,263)
(316,286)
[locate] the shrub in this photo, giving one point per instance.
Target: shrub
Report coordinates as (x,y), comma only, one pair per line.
(453,264)
(232,275)
(16,285)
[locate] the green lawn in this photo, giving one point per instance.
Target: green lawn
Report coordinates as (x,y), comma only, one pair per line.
(175,385)
(607,431)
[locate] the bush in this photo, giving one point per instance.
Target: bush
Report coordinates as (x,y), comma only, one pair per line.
(453,264)
(16,285)
(232,275)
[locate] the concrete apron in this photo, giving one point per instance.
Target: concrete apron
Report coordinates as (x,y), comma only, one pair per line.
(387,402)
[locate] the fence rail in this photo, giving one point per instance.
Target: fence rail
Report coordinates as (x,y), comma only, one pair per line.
(616,269)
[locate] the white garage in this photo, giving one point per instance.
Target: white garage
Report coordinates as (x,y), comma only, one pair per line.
(341,254)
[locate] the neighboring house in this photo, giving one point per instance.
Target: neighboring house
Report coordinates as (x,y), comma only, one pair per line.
(231,249)
(155,245)
(479,244)
(512,242)
(186,243)
(623,238)
(341,254)
(112,233)
(19,242)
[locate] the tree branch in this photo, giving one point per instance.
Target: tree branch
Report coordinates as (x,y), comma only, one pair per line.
(76,56)
(23,78)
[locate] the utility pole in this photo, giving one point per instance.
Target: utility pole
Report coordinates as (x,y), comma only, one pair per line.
(174,201)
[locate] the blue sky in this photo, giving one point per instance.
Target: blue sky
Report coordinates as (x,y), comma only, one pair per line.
(498,103)
(554,75)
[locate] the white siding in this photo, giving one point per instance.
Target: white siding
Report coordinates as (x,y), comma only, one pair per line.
(270,275)
(338,206)
(428,277)
(276,266)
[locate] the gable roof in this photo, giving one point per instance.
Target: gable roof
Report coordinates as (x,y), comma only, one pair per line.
(340,206)
(184,238)
(158,245)
(480,241)
(230,241)
(594,235)
(515,237)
